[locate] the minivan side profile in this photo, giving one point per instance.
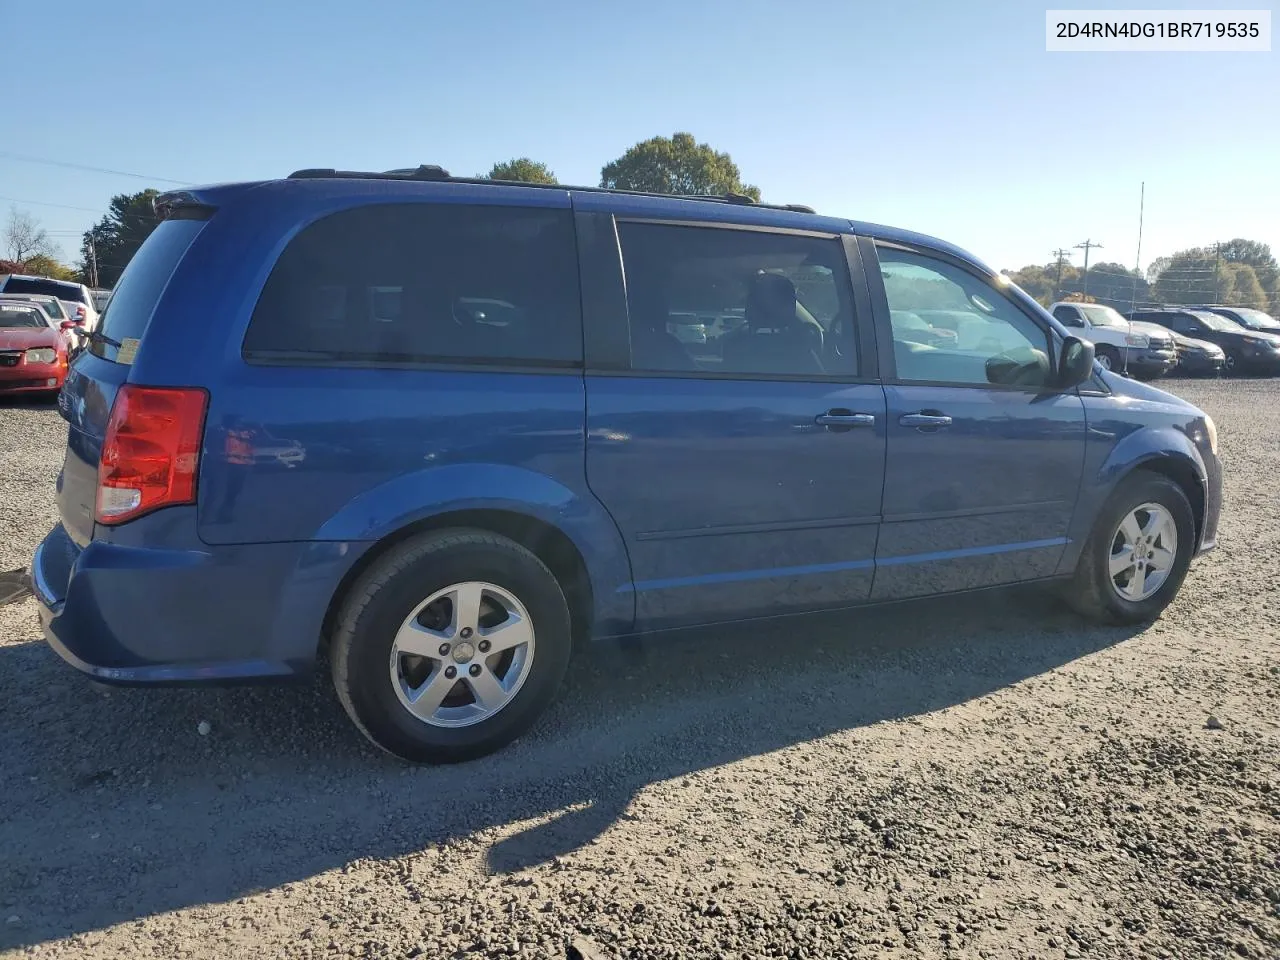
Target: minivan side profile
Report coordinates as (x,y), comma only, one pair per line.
(440,431)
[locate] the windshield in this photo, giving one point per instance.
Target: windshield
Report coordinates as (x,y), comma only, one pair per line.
(1215,321)
(14,315)
(1256,319)
(51,306)
(1102,316)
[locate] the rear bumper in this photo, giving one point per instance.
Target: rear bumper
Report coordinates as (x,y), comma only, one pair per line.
(133,615)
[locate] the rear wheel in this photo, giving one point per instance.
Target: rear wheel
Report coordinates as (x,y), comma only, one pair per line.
(1137,554)
(450,646)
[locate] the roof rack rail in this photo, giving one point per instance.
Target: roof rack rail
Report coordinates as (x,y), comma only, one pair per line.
(436,173)
(424,171)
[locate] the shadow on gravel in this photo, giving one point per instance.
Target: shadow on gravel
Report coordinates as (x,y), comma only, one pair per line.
(116,808)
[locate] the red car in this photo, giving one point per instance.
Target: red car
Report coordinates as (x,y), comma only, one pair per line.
(33,350)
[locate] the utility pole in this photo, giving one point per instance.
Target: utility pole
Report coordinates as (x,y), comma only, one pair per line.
(1084,281)
(1061,257)
(93,264)
(1217,273)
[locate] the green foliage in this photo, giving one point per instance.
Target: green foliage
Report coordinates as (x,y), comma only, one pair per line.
(118,235)
(45,266)
(1111,283)
(1037,282)
(679,165)
(522,170)
(1253,254)
(1191,276)
(1242,287)
(1239,272)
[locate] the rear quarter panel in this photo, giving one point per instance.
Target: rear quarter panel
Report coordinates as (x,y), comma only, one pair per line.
(350,455)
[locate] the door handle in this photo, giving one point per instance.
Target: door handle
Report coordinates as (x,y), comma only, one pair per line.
(844,419)
(925,421)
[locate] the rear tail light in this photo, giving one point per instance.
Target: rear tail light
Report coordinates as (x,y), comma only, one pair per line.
(151,451)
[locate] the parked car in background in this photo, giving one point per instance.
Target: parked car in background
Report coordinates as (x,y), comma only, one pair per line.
(1248,318)
(33,349)
(1143,350)
(75,296)
(100,298)
(57,311)
(445,506)
(687,328)
(1197,358)
(1245,350)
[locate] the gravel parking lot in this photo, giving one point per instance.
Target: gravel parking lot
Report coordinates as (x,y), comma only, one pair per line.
(973,777)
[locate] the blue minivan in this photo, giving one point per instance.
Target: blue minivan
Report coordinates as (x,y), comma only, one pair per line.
(438,430)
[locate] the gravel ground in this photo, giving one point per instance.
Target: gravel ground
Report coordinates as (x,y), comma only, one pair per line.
(971,777)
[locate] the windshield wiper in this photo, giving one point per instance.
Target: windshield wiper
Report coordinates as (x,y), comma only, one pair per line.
(98,337)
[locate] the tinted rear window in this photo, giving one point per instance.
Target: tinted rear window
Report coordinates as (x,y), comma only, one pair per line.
(49,288)
(142,283)
(421,283)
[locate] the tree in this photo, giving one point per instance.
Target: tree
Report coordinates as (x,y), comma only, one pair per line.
(117,236)
(1190,276)
(24,238)
(1242,288)
(1254,254)
(678,165)
(1112,284)
(1041,282)
(522,170)
(1037,282)
(45,266)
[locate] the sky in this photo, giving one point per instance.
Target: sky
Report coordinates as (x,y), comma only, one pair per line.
(944,117)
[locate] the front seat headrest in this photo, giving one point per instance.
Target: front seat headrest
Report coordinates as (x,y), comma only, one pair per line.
(771,301)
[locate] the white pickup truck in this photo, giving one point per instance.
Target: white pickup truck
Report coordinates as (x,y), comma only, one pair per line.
(1143,350)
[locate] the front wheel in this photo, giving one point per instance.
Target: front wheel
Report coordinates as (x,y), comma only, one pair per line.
(450,646)
(1138,553)
(1107,358)
(1233,365)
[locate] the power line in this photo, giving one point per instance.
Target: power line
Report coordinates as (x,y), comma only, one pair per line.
(80,166)
(46,203)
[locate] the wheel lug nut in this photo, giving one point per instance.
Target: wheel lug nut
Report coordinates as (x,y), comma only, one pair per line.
(466,633)
(475,670)
(450,672)
(444,649)
(484,646)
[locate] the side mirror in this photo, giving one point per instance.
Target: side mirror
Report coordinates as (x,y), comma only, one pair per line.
(1072,322)
(1075,363)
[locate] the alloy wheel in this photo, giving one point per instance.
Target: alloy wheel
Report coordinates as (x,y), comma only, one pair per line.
(462,654)
(1143,551)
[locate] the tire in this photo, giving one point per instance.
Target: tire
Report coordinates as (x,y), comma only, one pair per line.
(1108,358)
(1093,591)
(1233,366)
(376,681)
